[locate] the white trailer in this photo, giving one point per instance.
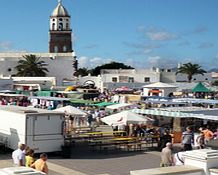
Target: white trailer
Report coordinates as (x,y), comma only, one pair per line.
(41,130)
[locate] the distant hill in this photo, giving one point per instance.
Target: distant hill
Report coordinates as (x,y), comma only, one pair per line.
(213,70)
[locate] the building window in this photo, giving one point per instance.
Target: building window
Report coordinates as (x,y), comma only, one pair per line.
(56,49)
(147,79)
(114,79)
(64,48)
(131,80)
(60,19)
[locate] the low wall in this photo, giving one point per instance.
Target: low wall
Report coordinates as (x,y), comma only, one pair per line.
(175,170)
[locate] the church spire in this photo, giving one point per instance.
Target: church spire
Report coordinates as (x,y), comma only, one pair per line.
(60,31)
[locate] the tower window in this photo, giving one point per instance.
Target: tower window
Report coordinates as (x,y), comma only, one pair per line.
(60,26)
(53,26)
(60,19)
(53,19)
(67,25)
(64,48)
(56,49)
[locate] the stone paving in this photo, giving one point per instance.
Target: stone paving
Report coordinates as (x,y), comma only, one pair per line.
(96,163)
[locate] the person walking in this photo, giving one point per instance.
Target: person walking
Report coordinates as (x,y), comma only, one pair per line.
(208,134)
(200,140)
(165,139)
(18,155)
(178,157)
(187,139)
(41,164)
(166,156)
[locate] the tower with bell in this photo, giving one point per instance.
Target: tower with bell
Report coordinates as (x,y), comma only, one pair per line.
(60,32)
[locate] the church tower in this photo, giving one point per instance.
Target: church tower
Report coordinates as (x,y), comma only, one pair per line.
(60,31)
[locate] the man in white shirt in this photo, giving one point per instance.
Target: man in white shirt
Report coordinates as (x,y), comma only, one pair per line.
(166,156)
(18,155)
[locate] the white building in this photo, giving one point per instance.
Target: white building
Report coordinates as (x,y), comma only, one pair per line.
(113,78)
(61,60)
(159,89)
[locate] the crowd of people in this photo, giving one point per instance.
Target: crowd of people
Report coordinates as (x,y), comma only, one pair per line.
(24,156)
(187,144)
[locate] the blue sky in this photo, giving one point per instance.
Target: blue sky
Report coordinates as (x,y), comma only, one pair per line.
(140,33)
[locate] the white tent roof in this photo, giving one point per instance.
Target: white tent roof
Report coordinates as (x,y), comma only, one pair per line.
(124,117)
(71,110)
(159,85)
(117,106)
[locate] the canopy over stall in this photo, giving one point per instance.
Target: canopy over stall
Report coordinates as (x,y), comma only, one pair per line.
(103,104)
(181,112)
(125,117)
(158,89)
(71,110)
(200,88)
(196,100)
(119,106)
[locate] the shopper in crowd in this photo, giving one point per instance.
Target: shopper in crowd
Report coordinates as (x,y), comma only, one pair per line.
(29,157)
(166,156)
(200,141)
(178,158)
(208,134)
(41,164)
(187,139)
(18,155)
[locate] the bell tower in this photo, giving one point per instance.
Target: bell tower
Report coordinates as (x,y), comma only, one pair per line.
(60,32)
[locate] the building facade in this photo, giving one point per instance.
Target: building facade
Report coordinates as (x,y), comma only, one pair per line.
(60,60)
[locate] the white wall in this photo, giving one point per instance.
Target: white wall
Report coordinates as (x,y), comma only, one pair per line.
(58,64)
(6,84)
(138,75)
(207,77)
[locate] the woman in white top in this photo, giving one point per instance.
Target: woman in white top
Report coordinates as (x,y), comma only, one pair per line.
(178,158)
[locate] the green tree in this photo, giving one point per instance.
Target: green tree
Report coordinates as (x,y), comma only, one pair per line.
(190,70)
(31,66)
(215,83)
(113,65)
(82,71)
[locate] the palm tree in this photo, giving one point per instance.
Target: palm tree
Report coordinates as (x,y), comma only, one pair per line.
(190,69)
(31,66)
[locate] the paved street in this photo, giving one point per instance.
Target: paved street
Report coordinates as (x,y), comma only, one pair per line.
(89,163)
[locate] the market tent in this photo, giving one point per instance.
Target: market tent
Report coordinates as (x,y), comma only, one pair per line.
(123,89)
(124,117)
(103,104)
(200,88)
(159,85)
(181,112)
(80,101)
(71,111)
(119,106)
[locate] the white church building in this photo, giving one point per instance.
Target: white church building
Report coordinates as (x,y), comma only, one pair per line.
(60,60)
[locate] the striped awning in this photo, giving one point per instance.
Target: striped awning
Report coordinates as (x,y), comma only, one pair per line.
(176,114)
